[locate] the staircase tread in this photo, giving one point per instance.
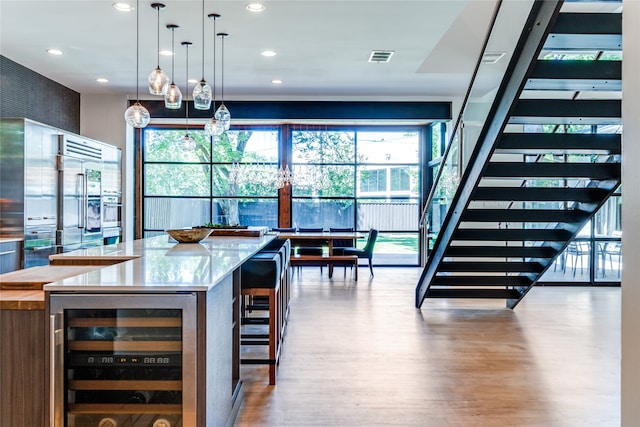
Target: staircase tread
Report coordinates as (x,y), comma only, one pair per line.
(544,143)
(473,293)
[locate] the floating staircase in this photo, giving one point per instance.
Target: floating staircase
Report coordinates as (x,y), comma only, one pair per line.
(547,157)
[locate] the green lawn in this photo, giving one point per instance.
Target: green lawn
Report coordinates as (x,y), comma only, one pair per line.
(395,243)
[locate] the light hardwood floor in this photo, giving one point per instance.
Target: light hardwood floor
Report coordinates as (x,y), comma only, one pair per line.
(360,354)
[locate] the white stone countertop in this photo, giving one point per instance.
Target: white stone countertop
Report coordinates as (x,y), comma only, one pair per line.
(158,265)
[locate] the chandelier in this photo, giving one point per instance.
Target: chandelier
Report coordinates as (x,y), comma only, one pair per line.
(260,174)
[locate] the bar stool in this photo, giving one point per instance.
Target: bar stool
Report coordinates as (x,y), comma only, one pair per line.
(265,287)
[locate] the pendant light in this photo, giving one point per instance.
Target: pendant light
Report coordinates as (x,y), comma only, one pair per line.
(222,113)
(136,115)
(173,96)
(213,126)
(188,144)
(158,79)
(202,91)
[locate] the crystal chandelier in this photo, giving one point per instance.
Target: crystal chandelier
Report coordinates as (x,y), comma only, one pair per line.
(283,177)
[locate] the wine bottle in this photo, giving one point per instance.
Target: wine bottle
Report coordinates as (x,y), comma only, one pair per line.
(141,396)
(161,422)
(108,422)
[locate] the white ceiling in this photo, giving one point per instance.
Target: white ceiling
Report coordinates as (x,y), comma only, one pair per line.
(322,46)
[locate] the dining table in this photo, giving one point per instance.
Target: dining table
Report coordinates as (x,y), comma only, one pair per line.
(322,237)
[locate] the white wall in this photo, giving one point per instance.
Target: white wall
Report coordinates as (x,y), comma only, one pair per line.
(630,370)
(102,118)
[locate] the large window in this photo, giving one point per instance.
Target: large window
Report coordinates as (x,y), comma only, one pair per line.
(343,177)
(360,178)
(229,184)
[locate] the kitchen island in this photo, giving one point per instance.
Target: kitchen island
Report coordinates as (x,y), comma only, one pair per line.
(167,320)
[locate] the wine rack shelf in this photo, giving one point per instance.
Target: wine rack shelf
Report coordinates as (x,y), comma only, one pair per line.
(131,346)
(124,385)
(123,408)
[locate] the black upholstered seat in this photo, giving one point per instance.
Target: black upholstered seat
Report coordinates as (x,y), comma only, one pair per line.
(340,244)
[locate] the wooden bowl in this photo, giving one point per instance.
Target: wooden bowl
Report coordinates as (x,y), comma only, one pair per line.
(193,235)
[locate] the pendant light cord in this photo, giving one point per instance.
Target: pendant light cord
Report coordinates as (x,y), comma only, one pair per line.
(222,74)
(214,62)
(202,40)
(186,85)
(173,54)
(137,47)
(222,36)
(158,36)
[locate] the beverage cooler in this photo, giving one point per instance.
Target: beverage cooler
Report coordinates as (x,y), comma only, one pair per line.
(122,360)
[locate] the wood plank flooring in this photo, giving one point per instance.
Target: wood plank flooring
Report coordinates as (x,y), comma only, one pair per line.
(360,354)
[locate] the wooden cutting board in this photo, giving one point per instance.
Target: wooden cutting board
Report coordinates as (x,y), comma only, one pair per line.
(36,277)
(238,232)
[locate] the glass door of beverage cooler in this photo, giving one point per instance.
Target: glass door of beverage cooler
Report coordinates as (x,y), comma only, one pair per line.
(123,360)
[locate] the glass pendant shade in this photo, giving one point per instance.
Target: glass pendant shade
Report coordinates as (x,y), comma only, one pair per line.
(158,79)
(223,116)
(214,128)
(188,144)
(202,96)
(173,97)
(172,94)
(158,82)
(137,116)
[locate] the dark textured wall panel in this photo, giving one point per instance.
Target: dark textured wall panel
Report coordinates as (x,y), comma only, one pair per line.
(25,93)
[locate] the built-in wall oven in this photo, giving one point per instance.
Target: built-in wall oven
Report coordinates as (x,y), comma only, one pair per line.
(111,218)
(111,211)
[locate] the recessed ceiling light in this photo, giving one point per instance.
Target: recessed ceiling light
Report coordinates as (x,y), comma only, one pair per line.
(276,81)
(54,51)
(123,7)
(166,53)
(268,53)
(102,80)
(255,7)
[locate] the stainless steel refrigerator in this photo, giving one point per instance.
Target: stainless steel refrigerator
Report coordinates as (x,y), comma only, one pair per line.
(80,193)
(28,187)
(55,190)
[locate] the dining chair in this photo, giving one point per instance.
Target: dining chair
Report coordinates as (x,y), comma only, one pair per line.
(340,244)
(310,246)
(367,251)
(578,251)
(286,229)
(614,249)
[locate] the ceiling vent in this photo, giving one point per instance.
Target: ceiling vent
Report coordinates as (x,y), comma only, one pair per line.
(380,56)
(492,57)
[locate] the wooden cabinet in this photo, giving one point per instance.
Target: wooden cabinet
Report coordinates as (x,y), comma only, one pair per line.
(22,363)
